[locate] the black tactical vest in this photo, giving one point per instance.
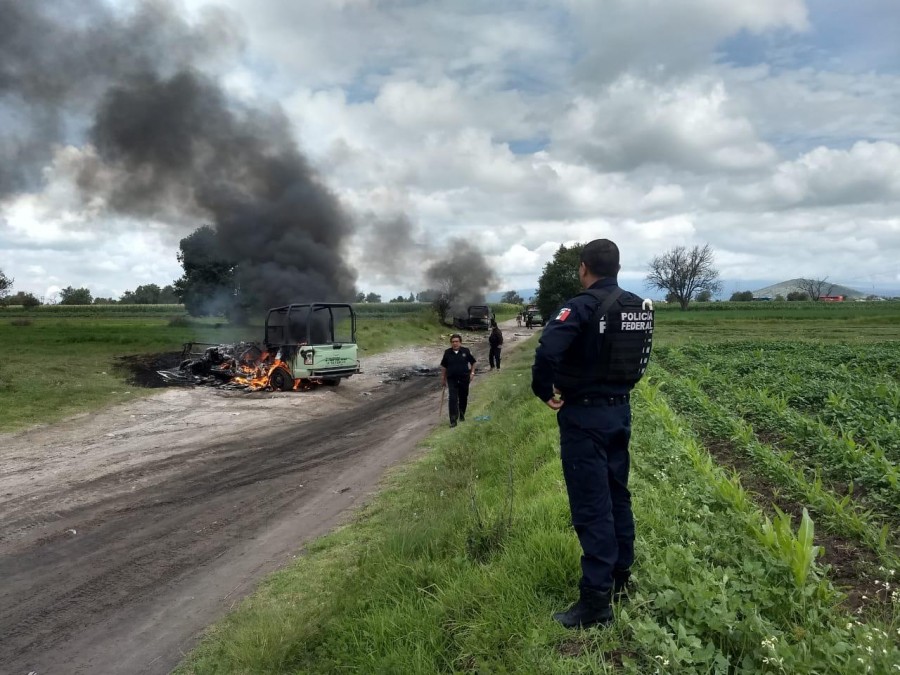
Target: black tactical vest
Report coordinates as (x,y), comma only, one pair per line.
(616,347)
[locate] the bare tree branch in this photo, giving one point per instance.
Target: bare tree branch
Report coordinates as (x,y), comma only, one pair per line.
(815,288)
(684,273)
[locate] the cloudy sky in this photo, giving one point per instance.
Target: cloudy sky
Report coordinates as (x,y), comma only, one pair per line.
(768,129)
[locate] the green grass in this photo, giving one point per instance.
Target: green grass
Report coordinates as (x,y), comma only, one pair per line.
(857,322)
(458,564)
(376,335)
(56,367)
(799,309)
(91,310)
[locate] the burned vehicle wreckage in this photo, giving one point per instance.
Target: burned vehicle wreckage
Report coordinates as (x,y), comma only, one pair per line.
(303,345)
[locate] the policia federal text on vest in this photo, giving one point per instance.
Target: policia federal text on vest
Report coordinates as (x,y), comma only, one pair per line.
(616,348)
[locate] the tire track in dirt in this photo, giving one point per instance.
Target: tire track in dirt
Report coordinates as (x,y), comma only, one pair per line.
(125,547)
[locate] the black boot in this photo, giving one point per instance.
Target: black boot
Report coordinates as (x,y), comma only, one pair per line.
(591,609)
(621,585)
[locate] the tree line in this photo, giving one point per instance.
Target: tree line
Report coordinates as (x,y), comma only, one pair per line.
(684,274)
(147,294)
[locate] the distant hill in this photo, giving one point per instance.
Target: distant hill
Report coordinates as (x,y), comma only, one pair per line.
(792,285)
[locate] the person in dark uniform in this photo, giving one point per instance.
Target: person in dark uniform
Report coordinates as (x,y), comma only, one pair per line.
(496,342)
(457,371)
(589,358)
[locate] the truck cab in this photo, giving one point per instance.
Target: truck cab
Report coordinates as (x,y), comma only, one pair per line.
(315,341)
(478,317)
(535,315)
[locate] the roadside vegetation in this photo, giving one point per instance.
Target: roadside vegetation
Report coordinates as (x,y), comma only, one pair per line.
(458,564)
(56,366)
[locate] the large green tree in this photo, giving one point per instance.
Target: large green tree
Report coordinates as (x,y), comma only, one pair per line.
(512,298)
(5,285)
(24,299)
(147,294)
(75,296)
(559,280)
(168,296)
(428,295)
(207,287)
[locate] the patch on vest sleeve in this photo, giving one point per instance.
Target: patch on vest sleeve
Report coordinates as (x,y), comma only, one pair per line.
(563,314)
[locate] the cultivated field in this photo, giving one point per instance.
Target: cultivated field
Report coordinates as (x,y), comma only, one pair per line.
(765,492)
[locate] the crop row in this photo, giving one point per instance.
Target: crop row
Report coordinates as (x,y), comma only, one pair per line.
(819,308)
(834,451)
(92,311)
(799,483)
(854,390)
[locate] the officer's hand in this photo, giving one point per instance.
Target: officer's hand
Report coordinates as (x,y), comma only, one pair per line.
(471,376)
(554,403)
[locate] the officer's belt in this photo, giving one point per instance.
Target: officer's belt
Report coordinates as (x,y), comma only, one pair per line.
(620,399)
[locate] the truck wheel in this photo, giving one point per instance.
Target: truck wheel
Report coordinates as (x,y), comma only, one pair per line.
(332,383)
(281,380)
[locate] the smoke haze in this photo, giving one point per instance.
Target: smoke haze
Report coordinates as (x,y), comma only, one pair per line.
(463,274)
(166,139)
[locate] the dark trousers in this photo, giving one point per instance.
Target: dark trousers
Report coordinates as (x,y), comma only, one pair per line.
(459,396)
(494,357)
(594,449)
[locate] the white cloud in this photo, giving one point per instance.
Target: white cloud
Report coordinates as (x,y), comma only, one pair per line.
(867,172)
(525,125)
(661,38)
(53,239)
(634,122)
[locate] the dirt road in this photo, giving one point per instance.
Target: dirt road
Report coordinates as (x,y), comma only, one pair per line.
(123,534)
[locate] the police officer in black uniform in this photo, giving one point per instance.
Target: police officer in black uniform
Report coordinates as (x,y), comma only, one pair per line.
(590,357)
(495,340)
(457,371)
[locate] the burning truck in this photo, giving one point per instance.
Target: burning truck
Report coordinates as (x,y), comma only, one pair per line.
(303,345)
(477,317)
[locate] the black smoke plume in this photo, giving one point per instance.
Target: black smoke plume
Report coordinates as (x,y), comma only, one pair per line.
(394,249)
(57,57)
(462,275)
(167,140)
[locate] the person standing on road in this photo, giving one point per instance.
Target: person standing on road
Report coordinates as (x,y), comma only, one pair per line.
(457,371)
(496,342)
(589,358)
(519,319)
